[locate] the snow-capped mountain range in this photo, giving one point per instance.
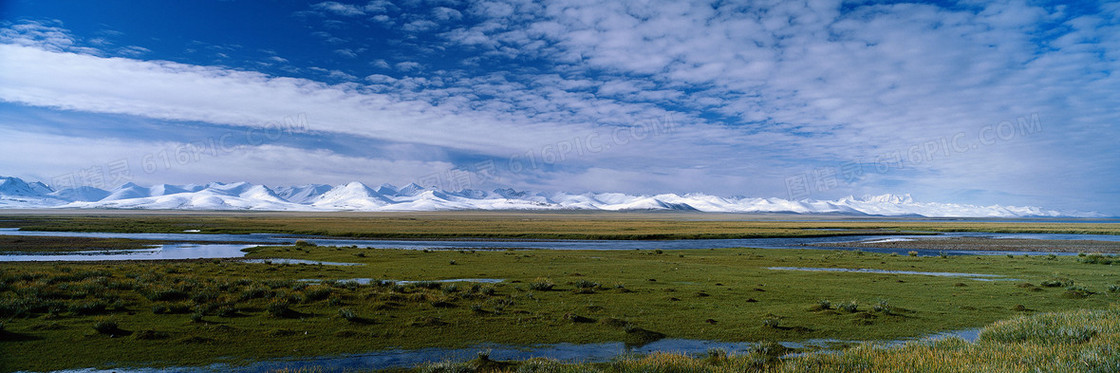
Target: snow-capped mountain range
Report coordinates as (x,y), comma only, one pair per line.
(355,196)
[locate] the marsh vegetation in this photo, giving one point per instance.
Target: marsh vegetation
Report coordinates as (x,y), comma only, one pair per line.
(127,313)
(142,313)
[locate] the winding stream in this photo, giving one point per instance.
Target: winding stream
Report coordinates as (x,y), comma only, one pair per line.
(563,352)
(231,245)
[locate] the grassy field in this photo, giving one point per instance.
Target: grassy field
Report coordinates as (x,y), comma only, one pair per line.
(519,225)
(129,314)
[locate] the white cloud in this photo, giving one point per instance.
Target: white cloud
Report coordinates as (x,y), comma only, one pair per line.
(407,66)
(49,157)
(380,63)
(348,53)
(446,14)
(339,8)
(167,90)
(351,10)
(46,35)
(133,51)
(419,25)
(850,86)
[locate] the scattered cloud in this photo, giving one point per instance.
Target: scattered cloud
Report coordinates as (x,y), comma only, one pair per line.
(339,8)
(408,66)
(348,53)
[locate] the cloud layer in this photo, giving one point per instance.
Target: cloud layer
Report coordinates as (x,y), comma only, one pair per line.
(1002,102)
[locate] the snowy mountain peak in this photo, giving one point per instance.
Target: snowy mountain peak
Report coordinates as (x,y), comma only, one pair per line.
(14,186)
(387,189)
(303,194)
(16,193)
(357,185)
(165,189)
(509,193)
(128,191)
(81,194)
(410,190)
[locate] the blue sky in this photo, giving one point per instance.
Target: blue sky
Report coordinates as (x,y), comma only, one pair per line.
(1008,103)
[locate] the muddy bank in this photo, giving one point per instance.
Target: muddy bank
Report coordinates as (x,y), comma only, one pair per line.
(986,244)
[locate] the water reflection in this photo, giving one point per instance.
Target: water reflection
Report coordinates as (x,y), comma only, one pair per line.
(230,245)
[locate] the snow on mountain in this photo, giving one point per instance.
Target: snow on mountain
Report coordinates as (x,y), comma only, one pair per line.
(387,189)
(302,194)
(213,196)
(352,196)
(410,190)
(128,191)
(16,187)
(82,193)
(16,193)
(168,189)
(355,196)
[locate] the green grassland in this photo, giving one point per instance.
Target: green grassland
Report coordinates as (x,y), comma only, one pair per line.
(519,225)
(143,314)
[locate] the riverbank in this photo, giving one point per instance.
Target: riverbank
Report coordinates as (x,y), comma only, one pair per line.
(1075,341)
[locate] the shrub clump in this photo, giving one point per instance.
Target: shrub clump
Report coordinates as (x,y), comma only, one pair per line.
(542,284)
(1077,292)
(430,285)
(822,305)
(106,327)
(256,292)
(883,307)
(278,309)
(315,293)
(1097,259)
(348,315)
(165,294)
(150,335)
(1056,283)
(584,284)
